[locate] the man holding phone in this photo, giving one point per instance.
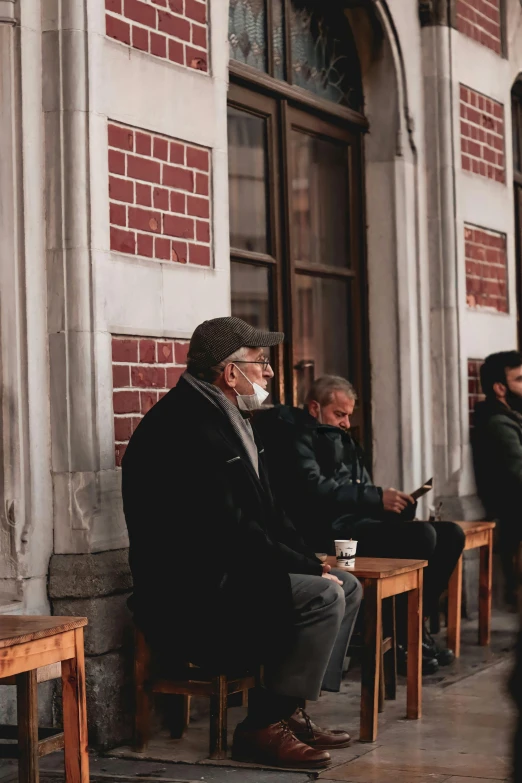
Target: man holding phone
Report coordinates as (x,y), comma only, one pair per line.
(318,473)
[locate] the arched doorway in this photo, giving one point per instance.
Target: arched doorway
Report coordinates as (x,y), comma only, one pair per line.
(296,189)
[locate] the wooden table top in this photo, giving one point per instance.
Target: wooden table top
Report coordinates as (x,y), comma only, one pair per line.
(476,527)
(18,629)
(379,567)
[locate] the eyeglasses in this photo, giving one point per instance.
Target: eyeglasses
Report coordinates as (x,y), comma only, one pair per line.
(264,362)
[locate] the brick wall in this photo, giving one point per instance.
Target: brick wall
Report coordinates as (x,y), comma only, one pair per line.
(482,135)
(143,371)
(481,20)
(174,30)
(486,268)
(159,191)
(474,388)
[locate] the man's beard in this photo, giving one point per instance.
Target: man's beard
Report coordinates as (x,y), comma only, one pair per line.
(514,401)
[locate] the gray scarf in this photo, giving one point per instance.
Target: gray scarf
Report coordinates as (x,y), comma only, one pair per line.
(240,425)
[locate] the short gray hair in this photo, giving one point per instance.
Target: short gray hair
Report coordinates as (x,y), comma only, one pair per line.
(323,388)
(211,374)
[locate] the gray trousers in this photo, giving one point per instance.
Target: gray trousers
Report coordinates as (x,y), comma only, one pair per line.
(326,614)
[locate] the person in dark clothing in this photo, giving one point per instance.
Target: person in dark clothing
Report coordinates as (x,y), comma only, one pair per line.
(221,577)
(318,473)
(497,456)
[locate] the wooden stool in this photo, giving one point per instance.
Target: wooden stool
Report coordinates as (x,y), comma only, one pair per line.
(382,578)
(49,739)
(479,535)
(31,649)
(192,681)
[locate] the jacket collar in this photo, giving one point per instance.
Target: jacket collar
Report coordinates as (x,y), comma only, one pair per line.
(218,428)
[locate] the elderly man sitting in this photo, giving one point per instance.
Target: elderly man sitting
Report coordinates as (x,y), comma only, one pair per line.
(221,577)
(318,474)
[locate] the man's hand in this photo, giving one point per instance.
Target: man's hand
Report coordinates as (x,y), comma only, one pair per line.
(332,578)
(395,501)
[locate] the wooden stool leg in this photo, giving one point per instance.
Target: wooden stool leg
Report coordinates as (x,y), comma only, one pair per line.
(75,715)
(381,675)
(179,712)
(27,706)
(414,683)
(485,590)
(371,660)
(455,608)
(218,718)
(390,660)
(142,695)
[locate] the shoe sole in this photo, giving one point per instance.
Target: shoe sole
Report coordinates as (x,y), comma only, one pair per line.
(309,765)
(330,747)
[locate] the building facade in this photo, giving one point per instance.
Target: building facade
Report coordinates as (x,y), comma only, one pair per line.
(352,176)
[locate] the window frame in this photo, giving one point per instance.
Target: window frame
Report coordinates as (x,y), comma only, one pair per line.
(289,106)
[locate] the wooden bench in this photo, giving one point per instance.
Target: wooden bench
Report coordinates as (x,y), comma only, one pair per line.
(31,649)
(383,578)
(191,681)
(479,535)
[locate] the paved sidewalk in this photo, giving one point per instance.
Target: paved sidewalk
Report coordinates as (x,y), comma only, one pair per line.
(463,737)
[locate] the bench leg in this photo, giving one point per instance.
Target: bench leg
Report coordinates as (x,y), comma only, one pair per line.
(27,706)
(485,590)
(390,659)
(455,608)
(414,682)
(371,660)
(142,695)
(179,712)
(75,715)
(218,719)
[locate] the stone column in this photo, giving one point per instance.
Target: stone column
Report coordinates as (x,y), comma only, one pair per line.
(87,500)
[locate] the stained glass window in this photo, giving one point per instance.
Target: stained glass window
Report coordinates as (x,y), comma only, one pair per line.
(322,58)
(323,54)
(247,32)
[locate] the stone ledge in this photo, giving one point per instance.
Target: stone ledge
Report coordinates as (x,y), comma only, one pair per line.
(110,620)
(89,575)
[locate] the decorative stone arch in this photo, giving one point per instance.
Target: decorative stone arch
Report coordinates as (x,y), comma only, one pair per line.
(396,257)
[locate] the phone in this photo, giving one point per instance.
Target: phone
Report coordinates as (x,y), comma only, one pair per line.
(426,487)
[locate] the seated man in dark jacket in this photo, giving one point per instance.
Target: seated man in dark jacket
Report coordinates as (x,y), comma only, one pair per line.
(317,471)
(497,454)
(221,577)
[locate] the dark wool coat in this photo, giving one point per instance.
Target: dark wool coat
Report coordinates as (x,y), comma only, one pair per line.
(497,456)
(318,474)
(210,551)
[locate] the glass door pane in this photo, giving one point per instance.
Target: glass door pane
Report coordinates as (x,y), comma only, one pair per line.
(321,330)
(320,200)
(250,294)
(248,181)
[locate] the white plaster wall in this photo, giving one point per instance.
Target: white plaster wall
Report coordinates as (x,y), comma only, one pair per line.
(484,203)
(131,295)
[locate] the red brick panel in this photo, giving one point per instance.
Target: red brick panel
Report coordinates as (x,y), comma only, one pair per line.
(159,197)
(143,371)
(474,387)
(482,135)
(175,30)
(486,269)
(481,20)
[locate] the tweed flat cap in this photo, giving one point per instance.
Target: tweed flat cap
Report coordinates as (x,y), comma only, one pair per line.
(214,340)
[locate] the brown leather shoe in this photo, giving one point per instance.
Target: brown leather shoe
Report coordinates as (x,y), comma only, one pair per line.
(320,739)
(277,746)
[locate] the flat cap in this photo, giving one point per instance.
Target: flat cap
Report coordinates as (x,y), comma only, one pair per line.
(215,340)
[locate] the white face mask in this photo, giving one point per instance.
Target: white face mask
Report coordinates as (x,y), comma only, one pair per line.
(251,402)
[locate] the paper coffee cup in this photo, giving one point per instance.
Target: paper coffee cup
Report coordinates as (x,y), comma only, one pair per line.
(345,553)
